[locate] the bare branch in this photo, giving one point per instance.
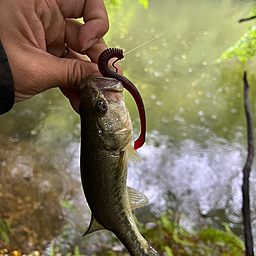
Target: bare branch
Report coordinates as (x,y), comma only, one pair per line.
(246,19)
(246,173)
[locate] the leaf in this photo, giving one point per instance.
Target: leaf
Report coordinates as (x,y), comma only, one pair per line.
(76,252)
(244,49)
(5,228)
(51,250)
(166,222)
(180,241)
(144,3)
(168,251)
(65,204)
(238,241)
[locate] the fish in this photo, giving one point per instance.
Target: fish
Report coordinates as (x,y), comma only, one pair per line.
(106,136)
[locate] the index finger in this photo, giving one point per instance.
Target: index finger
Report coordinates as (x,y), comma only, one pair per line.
(95,17)
(77,8)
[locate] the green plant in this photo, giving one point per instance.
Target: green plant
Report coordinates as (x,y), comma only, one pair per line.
(65,204)
(5,228)
(54,251)
(168,235)
(245,48)
(120,2)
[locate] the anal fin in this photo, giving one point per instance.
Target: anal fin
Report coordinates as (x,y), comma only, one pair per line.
(94,226)
(136,198)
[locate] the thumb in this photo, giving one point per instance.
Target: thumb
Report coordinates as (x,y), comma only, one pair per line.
(81,68)
(39,71)
(70,71)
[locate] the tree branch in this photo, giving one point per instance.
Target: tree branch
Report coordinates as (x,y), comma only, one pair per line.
(246,173)
(246,19)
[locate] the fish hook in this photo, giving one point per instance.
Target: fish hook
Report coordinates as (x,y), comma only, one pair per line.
(113,65)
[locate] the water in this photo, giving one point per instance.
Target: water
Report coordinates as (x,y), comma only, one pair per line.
(196,133)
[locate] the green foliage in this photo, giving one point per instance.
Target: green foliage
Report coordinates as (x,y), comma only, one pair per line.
(54,251)
(76,252)
(144,3)
(236,239)
(118,3)
(5,228)
(168,251)
(172,234)
(245,48)
(65,204)
(169,236)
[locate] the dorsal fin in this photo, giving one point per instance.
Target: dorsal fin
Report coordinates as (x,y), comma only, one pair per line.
(94,226)
(136,198)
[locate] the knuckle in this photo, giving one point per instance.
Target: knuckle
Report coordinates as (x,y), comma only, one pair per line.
(105,27)
(74,73)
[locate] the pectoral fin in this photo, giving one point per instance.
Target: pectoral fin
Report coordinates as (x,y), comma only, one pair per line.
(136,198)
(133,155)
(94,226)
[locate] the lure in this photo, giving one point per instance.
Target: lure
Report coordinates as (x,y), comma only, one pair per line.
(103,60)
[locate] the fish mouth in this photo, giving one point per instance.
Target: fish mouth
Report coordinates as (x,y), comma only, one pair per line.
(102,84)
(100,89)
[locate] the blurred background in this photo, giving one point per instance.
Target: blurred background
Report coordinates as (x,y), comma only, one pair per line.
(196,147)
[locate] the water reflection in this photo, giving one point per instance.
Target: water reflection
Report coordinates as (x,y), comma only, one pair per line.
(196,140)
(200,177)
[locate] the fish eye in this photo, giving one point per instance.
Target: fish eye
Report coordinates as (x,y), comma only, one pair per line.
(101,107)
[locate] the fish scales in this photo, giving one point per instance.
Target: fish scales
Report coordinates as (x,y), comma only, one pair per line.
(106,132)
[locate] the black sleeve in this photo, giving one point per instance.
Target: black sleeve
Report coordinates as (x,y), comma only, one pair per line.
(6,83)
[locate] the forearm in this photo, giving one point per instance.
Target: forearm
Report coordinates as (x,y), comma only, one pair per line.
(6,83)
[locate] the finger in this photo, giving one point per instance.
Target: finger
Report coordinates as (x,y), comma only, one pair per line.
(63,72)
(71,54)
(94,52)
(74,96)
(49,16)
(70,72)
(96,23)
(95,18)
(79,67)
(72,33)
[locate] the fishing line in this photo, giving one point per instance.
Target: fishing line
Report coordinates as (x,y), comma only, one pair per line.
(154,38)
(150,40)
(160,35)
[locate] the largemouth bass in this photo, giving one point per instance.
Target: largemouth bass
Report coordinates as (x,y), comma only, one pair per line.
(106,135)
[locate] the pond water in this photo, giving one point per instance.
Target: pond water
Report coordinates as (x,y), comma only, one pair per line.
(196,130)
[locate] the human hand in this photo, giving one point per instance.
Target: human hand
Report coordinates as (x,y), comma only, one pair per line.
(35,34)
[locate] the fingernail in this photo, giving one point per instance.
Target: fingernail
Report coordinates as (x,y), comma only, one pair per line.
(90,43)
